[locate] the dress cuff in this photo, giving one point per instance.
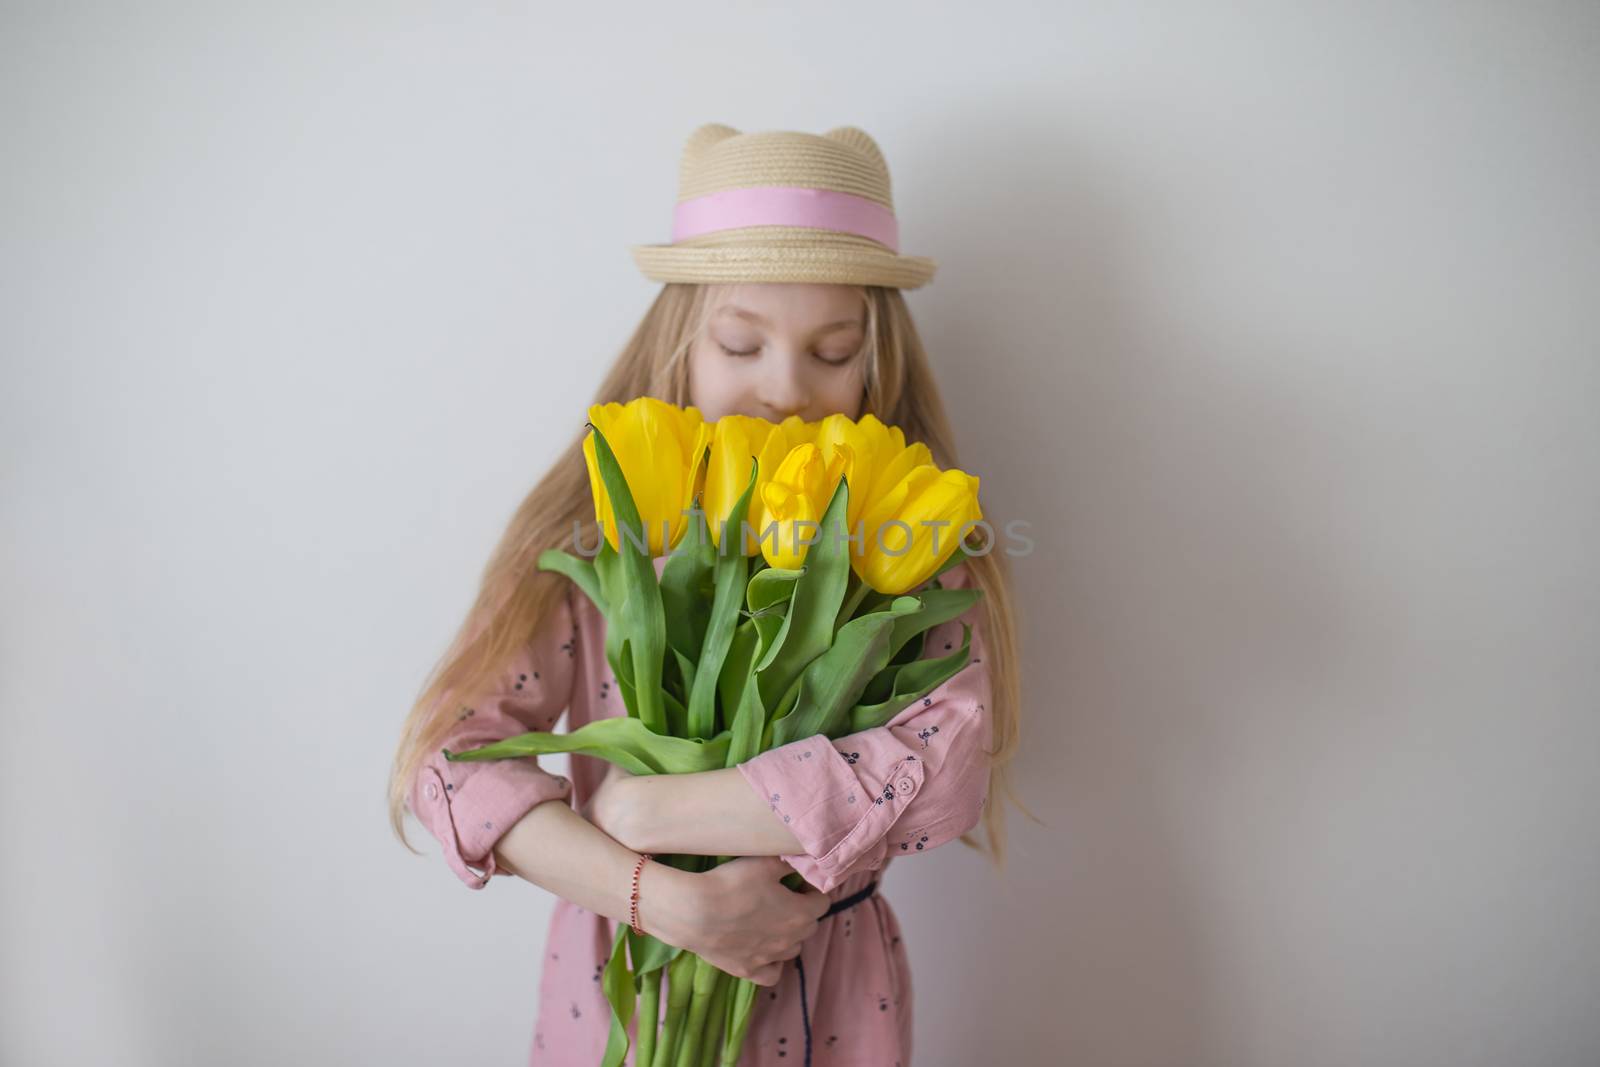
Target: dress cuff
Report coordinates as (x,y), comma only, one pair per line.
(837,807)
(469,818)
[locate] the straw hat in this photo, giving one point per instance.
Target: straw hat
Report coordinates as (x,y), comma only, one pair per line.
(783,206)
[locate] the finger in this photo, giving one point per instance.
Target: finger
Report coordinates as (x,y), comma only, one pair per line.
(812,905)
(820,902)
(776,867)
(768,975)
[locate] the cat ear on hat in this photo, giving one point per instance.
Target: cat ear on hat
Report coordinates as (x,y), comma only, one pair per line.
(702,139)
(859,139)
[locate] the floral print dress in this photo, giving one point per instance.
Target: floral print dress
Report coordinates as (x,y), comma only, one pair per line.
(855,803)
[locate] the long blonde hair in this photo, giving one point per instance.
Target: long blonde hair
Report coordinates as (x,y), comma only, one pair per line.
(514,596)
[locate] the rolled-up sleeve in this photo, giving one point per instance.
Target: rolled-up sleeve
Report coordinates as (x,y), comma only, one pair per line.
(899,789)
(468,806)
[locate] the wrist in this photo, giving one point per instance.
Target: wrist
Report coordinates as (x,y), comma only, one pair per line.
(668,902)
(614,809)
(633,819)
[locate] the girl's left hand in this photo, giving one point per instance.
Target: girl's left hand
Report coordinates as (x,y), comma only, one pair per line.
(609,806)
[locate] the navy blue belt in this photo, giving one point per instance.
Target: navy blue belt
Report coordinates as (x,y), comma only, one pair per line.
(837,906)
(850,901)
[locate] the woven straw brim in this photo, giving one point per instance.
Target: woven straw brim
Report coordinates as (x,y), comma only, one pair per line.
(782,254)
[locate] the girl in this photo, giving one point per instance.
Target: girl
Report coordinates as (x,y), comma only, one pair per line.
(782,300)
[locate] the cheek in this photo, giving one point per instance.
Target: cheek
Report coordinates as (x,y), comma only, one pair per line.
(713,388)
(844,393)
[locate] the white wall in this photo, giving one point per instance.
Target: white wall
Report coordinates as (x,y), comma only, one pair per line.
(1279,321)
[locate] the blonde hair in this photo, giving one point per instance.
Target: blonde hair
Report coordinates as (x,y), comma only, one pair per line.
(514,597)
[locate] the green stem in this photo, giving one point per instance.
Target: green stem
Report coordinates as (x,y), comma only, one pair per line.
(680,972)
(726,1022)
(649,1018)
(705,980)
(852,600)
(714,1018)
(741,1005)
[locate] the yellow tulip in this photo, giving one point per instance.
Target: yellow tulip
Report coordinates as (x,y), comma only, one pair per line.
(880,458)
(896,559)
(793,502)
(661,449)
(735,441)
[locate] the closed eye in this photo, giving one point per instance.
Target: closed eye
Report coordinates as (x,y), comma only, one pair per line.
(839,362)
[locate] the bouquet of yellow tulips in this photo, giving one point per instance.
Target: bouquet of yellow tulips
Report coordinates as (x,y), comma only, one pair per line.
(761,629)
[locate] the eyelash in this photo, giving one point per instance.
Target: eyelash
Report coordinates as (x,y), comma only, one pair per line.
(753,351)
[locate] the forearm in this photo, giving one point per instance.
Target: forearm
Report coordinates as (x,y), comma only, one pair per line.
(557,849)
(707,813)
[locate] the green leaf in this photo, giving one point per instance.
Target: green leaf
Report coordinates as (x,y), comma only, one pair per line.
(914,681)
(785,705)
(622,667)
(749,727)
(686,586)
(677,716)
(833,682)
(856,591)
(881,687)
(909,652)
(581,571)
(787,702)
(608,572)
(686,672)
(622,740)
(935,606)
(618,987)
(774,585)
(807,628)
(729,574)
(768,627)
(641,612)
(649,953)
(736,667)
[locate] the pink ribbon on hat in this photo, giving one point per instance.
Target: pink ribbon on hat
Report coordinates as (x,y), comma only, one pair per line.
(786,205)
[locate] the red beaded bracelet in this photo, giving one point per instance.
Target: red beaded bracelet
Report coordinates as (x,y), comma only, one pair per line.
(633,897)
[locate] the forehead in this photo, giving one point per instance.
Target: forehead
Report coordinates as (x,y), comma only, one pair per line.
(786,306)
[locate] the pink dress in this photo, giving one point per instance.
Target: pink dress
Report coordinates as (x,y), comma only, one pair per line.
(855,803)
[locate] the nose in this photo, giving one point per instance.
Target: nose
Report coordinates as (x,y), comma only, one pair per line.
(783,390)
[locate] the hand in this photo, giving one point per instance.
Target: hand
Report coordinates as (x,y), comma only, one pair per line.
(738,917)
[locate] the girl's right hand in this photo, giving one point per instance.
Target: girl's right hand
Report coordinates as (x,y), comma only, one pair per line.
(739,916)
